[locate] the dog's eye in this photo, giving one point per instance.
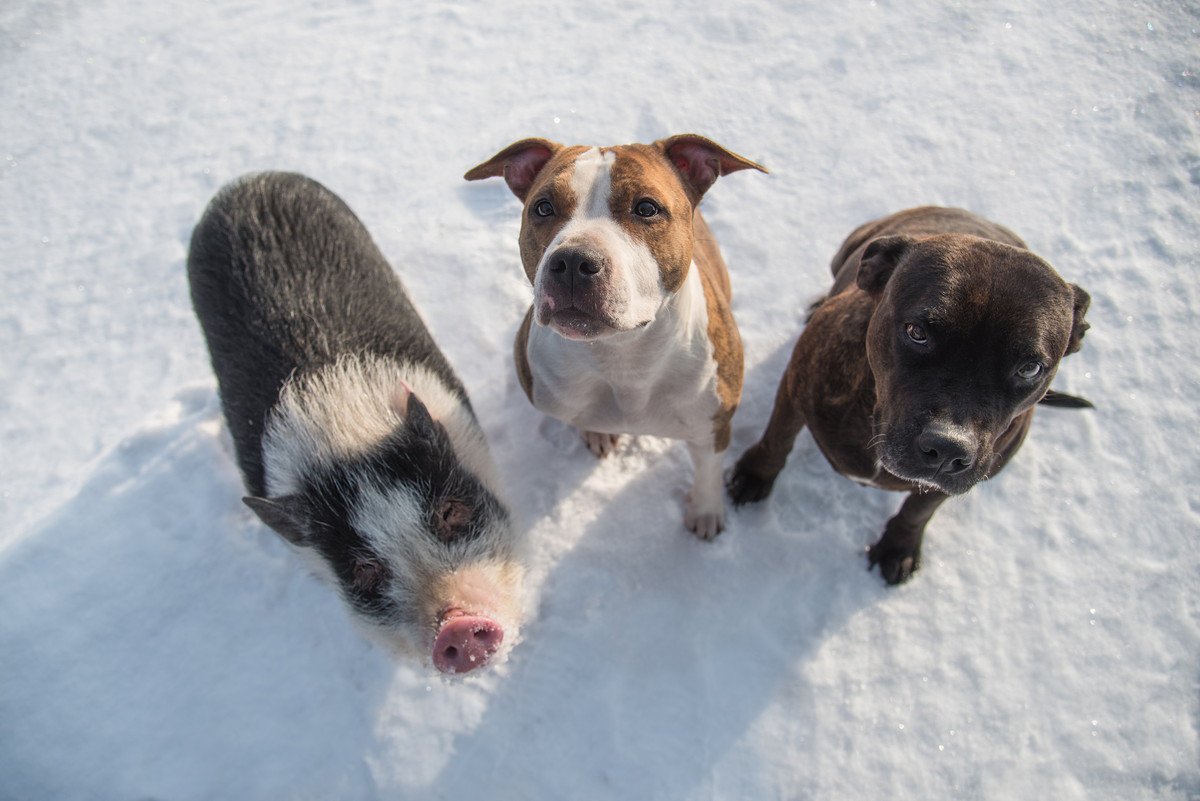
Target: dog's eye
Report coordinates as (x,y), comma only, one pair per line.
(1029,370)
(916,333)
(646,208)
(543,208)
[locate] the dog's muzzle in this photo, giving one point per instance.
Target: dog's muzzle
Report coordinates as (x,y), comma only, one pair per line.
(937,455)
(575,293)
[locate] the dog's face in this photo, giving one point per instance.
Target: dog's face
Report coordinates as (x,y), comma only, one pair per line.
(967,335)
(606,232)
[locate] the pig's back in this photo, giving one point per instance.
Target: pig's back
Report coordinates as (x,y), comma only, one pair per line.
(285,279)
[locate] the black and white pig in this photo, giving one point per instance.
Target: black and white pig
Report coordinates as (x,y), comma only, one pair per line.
(356,440)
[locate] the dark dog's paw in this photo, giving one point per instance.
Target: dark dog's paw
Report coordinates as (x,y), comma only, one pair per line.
(745,486)
(896,565)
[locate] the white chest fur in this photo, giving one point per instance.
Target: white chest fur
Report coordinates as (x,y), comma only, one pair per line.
(658,380)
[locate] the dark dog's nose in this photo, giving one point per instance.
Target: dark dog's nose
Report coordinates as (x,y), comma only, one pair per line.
(945,450)
(570,264)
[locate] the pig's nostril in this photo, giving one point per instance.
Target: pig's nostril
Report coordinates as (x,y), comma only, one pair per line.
(466,642)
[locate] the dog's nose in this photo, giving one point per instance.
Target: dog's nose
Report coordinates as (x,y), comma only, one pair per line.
(572,263)
(945,450)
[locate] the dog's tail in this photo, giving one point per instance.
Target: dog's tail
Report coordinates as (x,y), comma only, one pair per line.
(1065,401)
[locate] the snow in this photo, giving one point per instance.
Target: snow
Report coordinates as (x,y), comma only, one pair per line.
(157,642)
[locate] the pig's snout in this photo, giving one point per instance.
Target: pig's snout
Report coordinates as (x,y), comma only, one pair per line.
(465,643)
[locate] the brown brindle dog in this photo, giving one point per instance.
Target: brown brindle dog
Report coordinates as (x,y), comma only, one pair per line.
(920,369)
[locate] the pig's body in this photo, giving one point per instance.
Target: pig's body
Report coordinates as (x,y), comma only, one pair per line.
(354,436)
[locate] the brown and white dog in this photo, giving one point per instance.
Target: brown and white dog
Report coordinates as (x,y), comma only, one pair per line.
(630,331)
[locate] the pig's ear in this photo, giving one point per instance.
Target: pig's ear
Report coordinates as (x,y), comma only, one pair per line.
(413,411)
(1079,326)
(519,163)
(399,399)
(288,516)
(879,260)
(701,161)
(419,421)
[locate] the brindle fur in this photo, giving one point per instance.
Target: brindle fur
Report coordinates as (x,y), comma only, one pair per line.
(845,380)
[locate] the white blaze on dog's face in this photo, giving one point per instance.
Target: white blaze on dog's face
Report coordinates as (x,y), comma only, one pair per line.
(593,221)
(606,234)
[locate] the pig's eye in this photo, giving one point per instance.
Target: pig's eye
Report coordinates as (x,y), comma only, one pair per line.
(450,517)
(368,574)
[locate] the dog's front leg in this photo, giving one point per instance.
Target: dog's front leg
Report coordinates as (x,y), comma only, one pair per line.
(898,552)
(705,512)
(755,472)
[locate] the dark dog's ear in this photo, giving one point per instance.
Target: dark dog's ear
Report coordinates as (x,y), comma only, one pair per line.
(1079,326)
(519,163)
(879,260)
(701,161)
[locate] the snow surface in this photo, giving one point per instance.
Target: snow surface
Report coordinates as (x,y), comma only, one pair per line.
(157,642)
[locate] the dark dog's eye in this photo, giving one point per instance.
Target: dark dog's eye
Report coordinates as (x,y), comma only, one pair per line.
(916,333)
(646,208)
(1029,370)
(543,208)
(368,574)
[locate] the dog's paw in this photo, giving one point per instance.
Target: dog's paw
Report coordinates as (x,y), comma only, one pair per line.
(896,565)
(601,444)
(705,526)
(745,486)
(703,520)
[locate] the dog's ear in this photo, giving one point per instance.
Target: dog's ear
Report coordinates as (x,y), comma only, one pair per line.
(879,260)
(701,161)
(519,163)
(1079,326)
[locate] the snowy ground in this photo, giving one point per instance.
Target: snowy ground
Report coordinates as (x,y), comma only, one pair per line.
(157,642)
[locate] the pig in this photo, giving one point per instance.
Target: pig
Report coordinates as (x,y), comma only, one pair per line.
(355,439)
